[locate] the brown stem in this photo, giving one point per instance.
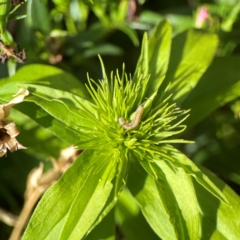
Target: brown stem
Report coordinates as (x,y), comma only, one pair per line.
(25,213)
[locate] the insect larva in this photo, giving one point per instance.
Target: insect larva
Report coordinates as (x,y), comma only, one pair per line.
(136,120)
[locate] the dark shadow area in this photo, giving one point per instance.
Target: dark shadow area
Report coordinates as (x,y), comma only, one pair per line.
(14,169)
(210,205)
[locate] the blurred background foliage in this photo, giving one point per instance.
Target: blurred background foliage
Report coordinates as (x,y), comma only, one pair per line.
(71,35)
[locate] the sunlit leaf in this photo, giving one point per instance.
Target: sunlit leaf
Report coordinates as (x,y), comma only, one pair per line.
(143,188)
(191,54)
(219,220)
(174,188)
(78,198)
(179,160)
(43,75)
(154,57)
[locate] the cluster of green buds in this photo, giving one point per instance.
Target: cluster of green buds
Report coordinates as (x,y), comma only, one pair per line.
(123,118)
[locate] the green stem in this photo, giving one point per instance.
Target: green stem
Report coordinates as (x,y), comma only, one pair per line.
(5,6)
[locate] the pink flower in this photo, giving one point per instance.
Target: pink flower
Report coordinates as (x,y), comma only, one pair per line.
(202,15)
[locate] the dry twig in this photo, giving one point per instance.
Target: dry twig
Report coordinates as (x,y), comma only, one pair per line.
(7,218)
(7,51)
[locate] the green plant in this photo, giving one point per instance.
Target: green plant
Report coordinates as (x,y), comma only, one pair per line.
(177,199)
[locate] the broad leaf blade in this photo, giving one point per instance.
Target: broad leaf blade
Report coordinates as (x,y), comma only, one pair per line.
(45,76)
(191,54)
(73,204)
(44,119)
(175,189)
(119,183)
(154,56)
(142,64)
(159,46)
(219,85)
(179,160)
(38,16)
(63,105)
(61,112)
(220,220)
(42,142)
(170,204)
(144,190)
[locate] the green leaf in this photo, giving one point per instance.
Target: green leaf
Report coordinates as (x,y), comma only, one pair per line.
(88,2)
(154,56)
(17,16)
(42,142)
(11,65)
(38,16)
(219,85)
(55,126)
(119,13)
(159,46)
(103,49)
(228,22)
(45,76)
(76,113)
(220,221)
(70,207)
(5,7)
(142,64)
(191,54)
(144,190)
(180,21)
(205,216)
(119,183)
(62,105)
(175,188)
(130,219)
(48,89)
(175,158)
(105,230)
(61,112)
